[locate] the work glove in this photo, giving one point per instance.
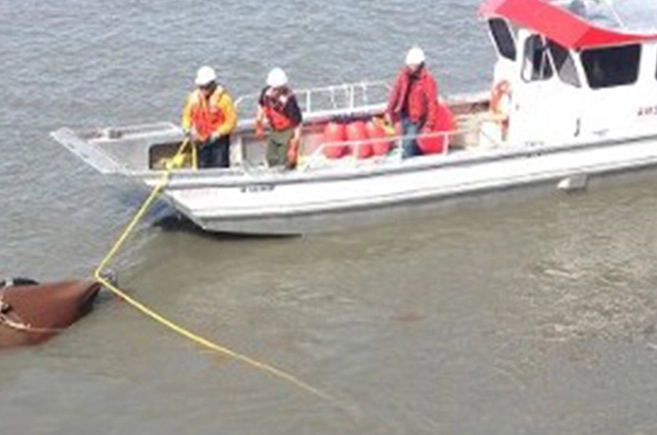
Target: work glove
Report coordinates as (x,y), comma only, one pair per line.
(259,130)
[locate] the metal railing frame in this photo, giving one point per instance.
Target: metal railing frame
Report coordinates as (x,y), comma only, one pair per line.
(350,92)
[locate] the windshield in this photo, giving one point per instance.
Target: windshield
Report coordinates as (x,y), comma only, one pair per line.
(637,16)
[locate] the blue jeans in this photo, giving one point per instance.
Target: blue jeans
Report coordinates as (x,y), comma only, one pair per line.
(409,145)
(214,154)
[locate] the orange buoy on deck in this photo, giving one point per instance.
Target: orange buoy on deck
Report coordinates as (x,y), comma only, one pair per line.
(334,132)
(357,134)
(374,132)
(434,142)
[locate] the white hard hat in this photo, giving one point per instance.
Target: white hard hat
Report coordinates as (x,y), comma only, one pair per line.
(415,56)
(205,75)
(276,78)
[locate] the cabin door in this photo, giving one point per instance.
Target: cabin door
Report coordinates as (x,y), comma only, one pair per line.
(618,103)
(545,105)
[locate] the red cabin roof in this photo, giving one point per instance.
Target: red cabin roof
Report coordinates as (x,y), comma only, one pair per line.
(559,24)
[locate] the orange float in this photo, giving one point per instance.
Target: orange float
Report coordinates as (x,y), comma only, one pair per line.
(437,143)
(334,132)
(375,132)
(357,134)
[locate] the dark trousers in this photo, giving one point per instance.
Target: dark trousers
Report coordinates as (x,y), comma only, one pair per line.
(409,144)
(214,154)
(277,147)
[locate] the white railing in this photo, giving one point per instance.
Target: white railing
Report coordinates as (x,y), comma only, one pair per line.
(343,97)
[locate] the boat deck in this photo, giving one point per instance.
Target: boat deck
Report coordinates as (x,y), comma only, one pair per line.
(248,152)
(140,149)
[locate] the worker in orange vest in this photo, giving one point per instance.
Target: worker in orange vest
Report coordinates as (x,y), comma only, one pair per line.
(279,106)
(209,118)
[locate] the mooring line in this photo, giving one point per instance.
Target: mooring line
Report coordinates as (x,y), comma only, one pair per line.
(168,323)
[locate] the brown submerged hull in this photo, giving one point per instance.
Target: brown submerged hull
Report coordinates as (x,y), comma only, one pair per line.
(31,314)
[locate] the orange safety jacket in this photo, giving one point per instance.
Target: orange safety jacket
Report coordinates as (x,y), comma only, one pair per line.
(214,114)
(278,120)
(415,97)
(280,108)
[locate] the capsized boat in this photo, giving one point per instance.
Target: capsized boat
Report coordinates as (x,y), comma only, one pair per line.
(31,312)
(572,101)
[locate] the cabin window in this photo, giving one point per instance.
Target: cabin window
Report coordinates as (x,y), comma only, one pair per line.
(564,64)
(506,44)
(609,67)
(536,65)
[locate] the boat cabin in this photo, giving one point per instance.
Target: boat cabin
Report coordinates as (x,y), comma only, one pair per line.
(573,72)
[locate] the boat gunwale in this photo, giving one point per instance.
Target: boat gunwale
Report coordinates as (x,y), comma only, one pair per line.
(219,178)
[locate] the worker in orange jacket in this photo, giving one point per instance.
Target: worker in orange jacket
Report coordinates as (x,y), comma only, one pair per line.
(413,101)
(209,118)
(278,105)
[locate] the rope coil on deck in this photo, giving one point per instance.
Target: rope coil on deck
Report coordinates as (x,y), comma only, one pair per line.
(176,161)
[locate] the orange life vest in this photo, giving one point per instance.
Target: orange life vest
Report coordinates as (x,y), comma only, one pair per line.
(274,102)
(207,116)
(278,120)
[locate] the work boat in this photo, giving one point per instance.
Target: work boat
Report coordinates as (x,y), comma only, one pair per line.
(573,100)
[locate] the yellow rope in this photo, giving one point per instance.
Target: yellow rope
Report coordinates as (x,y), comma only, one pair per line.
(194,156)
(171,325)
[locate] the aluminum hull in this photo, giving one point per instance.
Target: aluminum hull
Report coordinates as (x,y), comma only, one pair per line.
(297,204)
